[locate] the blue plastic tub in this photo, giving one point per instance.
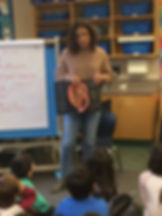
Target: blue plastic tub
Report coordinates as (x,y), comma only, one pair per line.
(94,11)
(105,46)
(55,16)
(139,27)
(137,47)
(135,8)
(51,34)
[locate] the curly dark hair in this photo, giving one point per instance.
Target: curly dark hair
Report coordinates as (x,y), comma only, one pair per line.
(72,39)
(80,183)
(21,165)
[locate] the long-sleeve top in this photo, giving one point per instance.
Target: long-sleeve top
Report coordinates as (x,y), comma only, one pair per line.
(40,204)
(28,197)
(85,64)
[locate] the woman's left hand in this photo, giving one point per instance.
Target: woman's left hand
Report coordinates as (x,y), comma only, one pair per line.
(99,78)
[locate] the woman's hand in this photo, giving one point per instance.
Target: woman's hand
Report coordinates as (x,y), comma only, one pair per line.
(99,78)
(74,79)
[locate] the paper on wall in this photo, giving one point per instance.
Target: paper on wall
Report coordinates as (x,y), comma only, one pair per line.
(137,67)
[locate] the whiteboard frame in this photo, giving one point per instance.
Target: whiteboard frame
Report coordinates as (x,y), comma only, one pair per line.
(52,130)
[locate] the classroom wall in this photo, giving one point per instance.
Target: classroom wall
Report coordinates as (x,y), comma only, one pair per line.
(23,19)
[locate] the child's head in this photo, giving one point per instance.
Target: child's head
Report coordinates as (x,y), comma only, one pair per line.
(22,166)
(101,165)
(155,161)
(91,214)
(9,189)
(80,183)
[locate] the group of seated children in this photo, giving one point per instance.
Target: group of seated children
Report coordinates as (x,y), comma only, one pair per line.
(92,189)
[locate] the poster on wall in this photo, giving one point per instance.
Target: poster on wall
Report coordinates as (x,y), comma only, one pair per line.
(27,106)
(6,20)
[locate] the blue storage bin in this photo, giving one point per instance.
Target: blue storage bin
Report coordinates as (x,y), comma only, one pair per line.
(137,47)
(105,46)
(55,16)
(92,11)
(140,27)
(138,8)
(51,34)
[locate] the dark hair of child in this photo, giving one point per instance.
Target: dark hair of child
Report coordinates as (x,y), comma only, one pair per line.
(101,165)
(80,183)
(123,205)
(155,163)
(72,37)
(9,189)
(21,165)
(91,214)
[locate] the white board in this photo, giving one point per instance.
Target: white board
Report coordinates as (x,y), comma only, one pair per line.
(23,96)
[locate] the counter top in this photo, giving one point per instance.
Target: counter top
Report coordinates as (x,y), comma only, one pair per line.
(132,86)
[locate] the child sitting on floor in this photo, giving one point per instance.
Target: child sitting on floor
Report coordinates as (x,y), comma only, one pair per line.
(80,185)
(150,184)
(100,163)
(10,188)
(22,167)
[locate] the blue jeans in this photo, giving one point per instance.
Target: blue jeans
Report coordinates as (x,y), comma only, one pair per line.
(72,124)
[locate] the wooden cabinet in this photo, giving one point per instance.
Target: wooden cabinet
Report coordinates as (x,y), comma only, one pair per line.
(136,116)
(109,28)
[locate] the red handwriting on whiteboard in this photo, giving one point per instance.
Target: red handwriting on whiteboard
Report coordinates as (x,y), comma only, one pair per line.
(12,67)
(13,76)
(11,107)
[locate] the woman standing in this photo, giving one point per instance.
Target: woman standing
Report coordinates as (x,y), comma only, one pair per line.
(81,60)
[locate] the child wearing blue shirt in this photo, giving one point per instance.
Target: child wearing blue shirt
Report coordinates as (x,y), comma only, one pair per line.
(80,185)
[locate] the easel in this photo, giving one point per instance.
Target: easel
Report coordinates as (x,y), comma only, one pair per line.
(20,145)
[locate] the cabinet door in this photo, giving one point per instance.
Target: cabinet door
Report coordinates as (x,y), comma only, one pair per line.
(135,116)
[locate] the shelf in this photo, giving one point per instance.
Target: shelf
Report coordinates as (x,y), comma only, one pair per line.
(49,24)
(136,38)
(85,2)
(130,18)
(105,37)
(97,20)
(111,24)
(125,56)
(50,6)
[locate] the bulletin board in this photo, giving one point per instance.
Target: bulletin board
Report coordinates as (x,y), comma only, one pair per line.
(161,38)
(27,99)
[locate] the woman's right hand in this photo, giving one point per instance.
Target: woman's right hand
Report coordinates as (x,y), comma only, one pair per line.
(75,79)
